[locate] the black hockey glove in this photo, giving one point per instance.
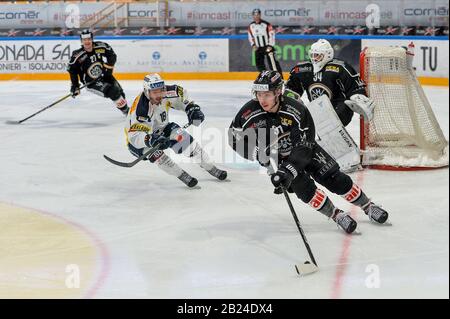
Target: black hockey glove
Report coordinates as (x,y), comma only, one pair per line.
(107,73)
(284,177)
(194,114)
(75,90)
(157,140)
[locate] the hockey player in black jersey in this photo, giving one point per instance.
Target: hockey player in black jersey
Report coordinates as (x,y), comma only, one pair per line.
(335,78)
(273,127)
(95,61)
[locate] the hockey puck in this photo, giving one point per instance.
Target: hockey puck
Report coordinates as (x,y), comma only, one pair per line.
(307,262)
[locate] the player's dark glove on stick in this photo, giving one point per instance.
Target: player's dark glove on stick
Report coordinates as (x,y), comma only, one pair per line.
(194,114)
(75,90)
(157,140)
(107,72)
(284,177)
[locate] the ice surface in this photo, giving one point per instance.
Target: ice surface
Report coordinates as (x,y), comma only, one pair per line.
(225,240)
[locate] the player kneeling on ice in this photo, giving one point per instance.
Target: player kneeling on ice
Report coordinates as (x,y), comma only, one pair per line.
(148,127)
(286,127)
(93,64)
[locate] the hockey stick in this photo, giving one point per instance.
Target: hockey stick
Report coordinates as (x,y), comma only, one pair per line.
(140,158)
(49,106)
(305,268)
(272,61)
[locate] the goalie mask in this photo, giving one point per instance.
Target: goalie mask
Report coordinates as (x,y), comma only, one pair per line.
(321,53)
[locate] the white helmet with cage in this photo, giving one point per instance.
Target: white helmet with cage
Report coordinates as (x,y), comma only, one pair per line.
(153,82)
(321,53)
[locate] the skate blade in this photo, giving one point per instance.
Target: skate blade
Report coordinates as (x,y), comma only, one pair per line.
(385,224)
(306,269)
(222,181)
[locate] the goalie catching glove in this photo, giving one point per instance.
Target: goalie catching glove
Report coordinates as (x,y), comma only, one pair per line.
(361,104)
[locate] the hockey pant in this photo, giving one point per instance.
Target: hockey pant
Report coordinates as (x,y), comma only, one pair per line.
(109,89)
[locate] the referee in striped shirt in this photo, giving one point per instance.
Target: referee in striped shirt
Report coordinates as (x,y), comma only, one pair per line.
(261,36)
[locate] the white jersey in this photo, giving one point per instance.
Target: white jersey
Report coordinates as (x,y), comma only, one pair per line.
(261,34)
(145,118)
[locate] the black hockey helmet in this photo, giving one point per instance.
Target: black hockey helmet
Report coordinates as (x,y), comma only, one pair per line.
(256,11)
(86,34)
(268,81)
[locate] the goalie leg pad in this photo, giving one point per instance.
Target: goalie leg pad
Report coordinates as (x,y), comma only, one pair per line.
(332,135)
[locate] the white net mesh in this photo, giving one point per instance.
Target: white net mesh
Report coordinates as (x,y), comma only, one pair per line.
(404,131)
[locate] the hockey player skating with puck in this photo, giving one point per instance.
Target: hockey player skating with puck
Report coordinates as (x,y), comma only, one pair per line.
(148,126)
(93,63)
(301,161)
(324,75)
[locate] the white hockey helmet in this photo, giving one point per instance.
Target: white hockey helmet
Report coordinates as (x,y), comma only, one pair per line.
(321,53)
(152,82)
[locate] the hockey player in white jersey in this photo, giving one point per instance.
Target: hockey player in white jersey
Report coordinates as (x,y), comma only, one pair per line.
(148,126)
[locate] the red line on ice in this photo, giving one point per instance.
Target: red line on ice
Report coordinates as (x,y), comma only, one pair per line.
(345,253)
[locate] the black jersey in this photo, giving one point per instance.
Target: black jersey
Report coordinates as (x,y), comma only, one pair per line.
(86,66)
(337,79)
(291,126)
